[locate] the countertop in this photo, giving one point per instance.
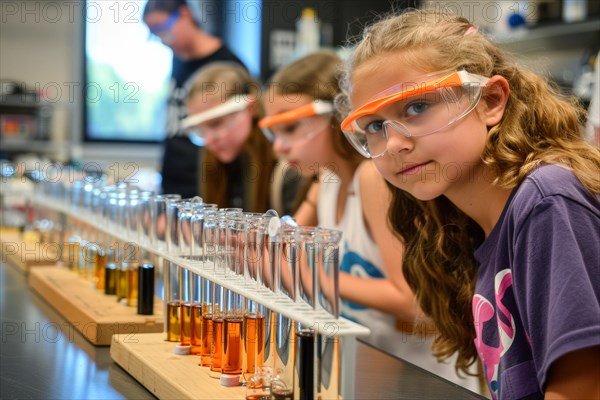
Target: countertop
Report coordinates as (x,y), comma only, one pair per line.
(42,356)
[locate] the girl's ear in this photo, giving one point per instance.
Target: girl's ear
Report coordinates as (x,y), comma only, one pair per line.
(495,97)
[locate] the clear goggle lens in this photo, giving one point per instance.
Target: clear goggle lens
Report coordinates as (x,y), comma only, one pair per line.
(299,130)
(216,127)
(423,113)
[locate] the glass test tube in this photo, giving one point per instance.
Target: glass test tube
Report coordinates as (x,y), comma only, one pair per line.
(305,336)
(234,248)
(209,254)
(216,350)
(145,304)
(174,288)
(184,235)
(196,315)
(328,346)
(253,326)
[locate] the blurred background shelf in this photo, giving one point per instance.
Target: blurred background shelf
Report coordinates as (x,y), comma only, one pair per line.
(576,34)
(29,145)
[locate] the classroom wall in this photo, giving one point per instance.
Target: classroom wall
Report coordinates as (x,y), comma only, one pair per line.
(41,45)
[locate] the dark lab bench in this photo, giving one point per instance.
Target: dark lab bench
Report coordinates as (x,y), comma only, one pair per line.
(43,357)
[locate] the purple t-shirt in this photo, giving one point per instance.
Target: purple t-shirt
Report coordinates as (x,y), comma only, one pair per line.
(537,295)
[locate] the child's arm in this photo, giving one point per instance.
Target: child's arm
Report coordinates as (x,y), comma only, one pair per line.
(307,212)
(575,375)
(390,295)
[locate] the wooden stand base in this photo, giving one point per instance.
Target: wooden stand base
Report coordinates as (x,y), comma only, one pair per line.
(23,253)
(151,360)
(96,315)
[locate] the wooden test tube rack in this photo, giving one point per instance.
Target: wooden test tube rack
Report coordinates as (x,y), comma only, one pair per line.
(319,320)
(23,253)
(96,315)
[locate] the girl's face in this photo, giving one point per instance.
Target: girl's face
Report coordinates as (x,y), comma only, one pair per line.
(305,143)
(225,136)
(427,166)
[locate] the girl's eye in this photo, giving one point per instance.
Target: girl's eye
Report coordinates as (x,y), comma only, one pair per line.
(374,127)
(416,108)
(215,124)
(290,129)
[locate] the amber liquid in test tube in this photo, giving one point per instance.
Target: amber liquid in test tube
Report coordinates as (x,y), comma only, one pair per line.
(253,329)
(196,317)
(196,324)
(174,309)
(100,272)
(186,323)
(186,307)
(216,353)
(207,336)
(132,284)
(173,321)
(232,348)
(216,349)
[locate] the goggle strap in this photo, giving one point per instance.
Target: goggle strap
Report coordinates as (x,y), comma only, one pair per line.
(234,104)
(317,107)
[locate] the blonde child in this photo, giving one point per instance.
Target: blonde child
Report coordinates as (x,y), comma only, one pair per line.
(237,161)
(497,200)
(348,195)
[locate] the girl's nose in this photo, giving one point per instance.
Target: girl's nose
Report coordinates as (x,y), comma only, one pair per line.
(398,140)
(280,146)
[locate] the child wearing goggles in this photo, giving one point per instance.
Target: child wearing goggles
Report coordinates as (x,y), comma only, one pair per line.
(496,200)
(347,194)
(222,117)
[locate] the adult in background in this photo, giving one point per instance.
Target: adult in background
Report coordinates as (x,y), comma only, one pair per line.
(172,21)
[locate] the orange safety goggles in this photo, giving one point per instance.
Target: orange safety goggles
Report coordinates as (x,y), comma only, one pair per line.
(419,109)
(301,123)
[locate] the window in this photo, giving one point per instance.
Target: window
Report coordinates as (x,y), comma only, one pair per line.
(126,75)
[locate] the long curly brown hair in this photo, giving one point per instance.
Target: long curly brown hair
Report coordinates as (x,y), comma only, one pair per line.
(539,126)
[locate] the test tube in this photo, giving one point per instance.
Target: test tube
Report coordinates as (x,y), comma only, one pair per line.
(207,323)
(216,350)
(285,338)
(145,304)
(209,255)
(306,338)
(328,346)
(196,315)
(110,285)
(158,214)
(253,326)
(100,273)
(232,335)
(144,217)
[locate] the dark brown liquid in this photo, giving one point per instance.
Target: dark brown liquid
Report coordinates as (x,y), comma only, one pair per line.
(232,349)
(216,352)
(306,341)
(174,321)
(196,324)
(207,329)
